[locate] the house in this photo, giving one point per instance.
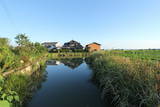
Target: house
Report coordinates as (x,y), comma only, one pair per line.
(93,47)
(52,45)
(72,45)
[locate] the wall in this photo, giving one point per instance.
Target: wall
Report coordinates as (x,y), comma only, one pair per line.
(93,47)
(28,68)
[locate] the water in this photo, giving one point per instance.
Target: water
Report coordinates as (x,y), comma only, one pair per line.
(68,84)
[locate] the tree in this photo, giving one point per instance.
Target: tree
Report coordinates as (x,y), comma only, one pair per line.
(22,40)
(4,42)
(6,55)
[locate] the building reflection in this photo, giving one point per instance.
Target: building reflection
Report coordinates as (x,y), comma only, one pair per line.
(70,62)
(53,62)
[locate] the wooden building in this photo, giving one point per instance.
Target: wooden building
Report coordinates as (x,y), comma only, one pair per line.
(93,47)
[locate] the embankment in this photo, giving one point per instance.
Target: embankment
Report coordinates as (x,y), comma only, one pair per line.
(20,83)
(68,55)
(125,82)
(28,68)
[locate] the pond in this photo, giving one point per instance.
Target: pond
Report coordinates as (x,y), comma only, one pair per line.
(68,84)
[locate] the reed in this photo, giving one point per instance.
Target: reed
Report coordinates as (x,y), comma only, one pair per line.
(124,81)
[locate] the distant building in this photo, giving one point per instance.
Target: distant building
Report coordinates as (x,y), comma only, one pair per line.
(93,47)
(72,45)
(52,45)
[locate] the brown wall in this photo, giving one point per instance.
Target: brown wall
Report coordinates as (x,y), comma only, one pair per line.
(93,47)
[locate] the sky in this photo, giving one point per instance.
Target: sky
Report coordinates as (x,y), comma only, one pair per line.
(116,24)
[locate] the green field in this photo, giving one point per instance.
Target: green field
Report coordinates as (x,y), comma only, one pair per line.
(137,54)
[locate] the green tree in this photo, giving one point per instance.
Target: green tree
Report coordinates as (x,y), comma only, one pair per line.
(22,40)
(6,55)
(4,42)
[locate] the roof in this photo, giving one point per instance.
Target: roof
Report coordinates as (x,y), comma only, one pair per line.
(94,43)
(51,43)
(72,45)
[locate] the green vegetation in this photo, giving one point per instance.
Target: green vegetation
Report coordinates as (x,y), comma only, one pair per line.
(13,89)
(7,96)
(23,86)
(7,57)
(68,55)
(126,81)
(126,77)
(13,57)
(17,89)
(151,54)
(66,50)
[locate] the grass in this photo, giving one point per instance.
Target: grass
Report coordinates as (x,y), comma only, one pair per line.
(68,55)
(24,85)
(137,54)
(126,81)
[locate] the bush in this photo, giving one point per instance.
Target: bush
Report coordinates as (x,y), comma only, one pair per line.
(26,52)
(7,57)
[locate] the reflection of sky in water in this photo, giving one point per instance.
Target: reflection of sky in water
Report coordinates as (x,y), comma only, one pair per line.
(67,87)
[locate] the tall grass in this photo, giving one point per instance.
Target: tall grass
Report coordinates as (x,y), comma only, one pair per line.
(24,85)
(126,82)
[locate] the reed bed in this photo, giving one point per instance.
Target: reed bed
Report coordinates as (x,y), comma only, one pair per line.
(124,81)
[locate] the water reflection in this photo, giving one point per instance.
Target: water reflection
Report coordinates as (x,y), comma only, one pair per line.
(67,89)
(53,62)
(71,63)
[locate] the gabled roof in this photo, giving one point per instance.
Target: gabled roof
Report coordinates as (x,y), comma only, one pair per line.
(72,45)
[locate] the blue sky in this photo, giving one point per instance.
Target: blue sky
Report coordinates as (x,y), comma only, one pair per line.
(130,24)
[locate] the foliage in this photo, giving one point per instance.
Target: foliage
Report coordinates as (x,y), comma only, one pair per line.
(4,103)
(25,52)
(66,50)
(22,40)
(128,82)
(24,85)
(6,55)
(69,55)
(15,57)
(7,97)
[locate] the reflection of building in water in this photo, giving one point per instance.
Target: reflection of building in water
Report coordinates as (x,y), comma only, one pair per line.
(53,62)
(72,63)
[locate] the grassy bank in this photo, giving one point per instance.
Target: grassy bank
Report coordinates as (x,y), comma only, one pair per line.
(68,55)
(126,81)
(17,88)
(13,59)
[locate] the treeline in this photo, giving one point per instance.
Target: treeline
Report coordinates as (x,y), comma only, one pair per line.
(67,50)
(25,52)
